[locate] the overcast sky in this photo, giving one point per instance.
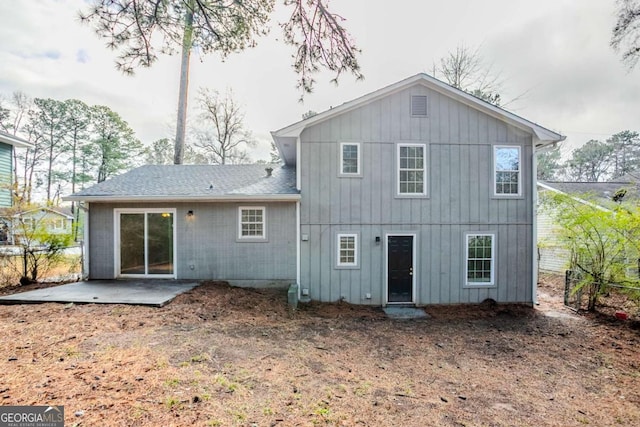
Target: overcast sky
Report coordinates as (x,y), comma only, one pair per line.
(555,52)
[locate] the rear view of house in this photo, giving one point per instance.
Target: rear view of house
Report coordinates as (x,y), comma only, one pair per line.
(417,193)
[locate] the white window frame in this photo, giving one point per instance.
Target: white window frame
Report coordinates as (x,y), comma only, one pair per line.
(339,249)
(424,170)
(57,224)
(117,246)
(496,148)
(492,280)
(358,159)
(254,238)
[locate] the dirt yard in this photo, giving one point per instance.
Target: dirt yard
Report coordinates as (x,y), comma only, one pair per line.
(221,356)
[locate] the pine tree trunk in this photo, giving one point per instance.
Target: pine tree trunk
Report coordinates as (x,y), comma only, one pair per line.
(181,124)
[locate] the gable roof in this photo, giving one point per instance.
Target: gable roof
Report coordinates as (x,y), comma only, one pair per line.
(160,183)
(14,140)
(285,138)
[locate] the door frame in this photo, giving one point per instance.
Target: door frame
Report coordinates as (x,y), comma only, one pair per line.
(386,267)
(116,241)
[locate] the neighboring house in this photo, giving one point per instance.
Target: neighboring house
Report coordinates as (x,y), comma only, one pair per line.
(14,225)
(553,257)
(417,193)
(7,144)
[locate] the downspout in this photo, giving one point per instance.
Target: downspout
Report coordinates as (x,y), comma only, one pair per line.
(298,236)
(534,219)
(85,244)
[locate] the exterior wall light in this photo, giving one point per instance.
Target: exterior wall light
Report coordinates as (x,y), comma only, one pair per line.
(190,214)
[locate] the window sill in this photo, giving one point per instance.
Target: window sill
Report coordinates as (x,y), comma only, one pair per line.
(252,240)
(479,286)
(347,267)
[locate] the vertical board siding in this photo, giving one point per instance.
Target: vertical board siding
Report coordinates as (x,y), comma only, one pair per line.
(208,242)
(6,174)
(459,144)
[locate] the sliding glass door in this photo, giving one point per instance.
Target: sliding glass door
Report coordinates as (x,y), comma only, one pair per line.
(145,244)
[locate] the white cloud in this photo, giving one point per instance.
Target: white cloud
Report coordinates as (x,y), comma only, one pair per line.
(557,51)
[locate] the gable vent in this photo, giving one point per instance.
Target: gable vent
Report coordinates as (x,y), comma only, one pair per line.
(418,106)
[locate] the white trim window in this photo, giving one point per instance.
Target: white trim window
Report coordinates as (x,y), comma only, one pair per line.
(252,223)
(480,259)
(350,158)
(507,170)
(411,169)
(347,251)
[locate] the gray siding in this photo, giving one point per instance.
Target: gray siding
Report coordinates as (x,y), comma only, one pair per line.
(6,174)
(209,243)
(459,146)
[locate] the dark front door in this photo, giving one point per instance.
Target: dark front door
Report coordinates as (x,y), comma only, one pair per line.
(400,268)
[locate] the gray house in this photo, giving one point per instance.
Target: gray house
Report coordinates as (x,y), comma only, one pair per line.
(417,193)
(232,222)
(8,143)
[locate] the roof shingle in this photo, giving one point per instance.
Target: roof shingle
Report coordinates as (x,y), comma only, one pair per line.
(194,181)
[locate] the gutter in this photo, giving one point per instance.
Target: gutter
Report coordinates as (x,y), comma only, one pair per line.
(177,199)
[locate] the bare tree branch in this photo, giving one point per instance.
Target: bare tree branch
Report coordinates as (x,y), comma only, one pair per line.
(625,36)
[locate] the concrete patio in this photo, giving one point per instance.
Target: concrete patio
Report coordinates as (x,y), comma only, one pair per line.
(156,293)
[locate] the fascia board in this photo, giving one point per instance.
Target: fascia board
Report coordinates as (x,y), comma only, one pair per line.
(175,199)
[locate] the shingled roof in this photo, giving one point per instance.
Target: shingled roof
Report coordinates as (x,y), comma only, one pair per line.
(196,182)
(600,193)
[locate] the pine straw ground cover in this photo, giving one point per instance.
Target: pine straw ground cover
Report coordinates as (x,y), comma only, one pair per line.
(222,356)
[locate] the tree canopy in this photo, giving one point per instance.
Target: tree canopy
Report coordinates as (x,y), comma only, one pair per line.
(625,36)
(133,28)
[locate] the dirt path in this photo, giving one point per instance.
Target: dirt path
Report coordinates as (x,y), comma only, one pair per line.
(222,356)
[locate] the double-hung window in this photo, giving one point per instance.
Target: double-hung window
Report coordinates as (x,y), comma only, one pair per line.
(507,171)
(251,223)
(480,259)
(347,250)
(411,169)
(350,159)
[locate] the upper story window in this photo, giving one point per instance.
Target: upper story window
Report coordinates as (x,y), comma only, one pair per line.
(507,171)
(251,223)
(480,259)
(350,158)
(411,170)
(347,250)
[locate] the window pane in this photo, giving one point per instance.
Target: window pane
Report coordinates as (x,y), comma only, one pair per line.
(132,243)
(349,158)
(507,159)
(479,259)
(160,243)
(347,250)
(252,223)
(507,170)
(411,170)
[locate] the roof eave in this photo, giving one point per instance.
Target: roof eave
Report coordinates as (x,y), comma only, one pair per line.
(177,199)
(545,136)
(15,141)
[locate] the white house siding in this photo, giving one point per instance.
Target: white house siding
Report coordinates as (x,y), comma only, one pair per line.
(208,242)
(552,256)
(459,151)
